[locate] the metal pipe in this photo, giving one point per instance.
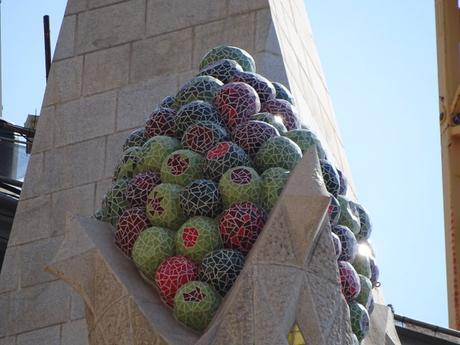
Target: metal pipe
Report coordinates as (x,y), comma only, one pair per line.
(46,29)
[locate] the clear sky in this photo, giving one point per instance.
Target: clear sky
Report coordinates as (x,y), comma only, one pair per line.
(379,58)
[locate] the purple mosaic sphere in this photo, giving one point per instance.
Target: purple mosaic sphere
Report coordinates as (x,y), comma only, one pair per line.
(348,241)
(284,109)
(160,122)
(262,85)
(140,186)
(252,135)
(203,136)
(224,70)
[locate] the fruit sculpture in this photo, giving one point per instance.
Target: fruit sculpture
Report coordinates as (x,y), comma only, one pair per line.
(194,188)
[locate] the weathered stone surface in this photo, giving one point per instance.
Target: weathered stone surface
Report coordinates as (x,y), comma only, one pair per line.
(45,125)
(77,306)
(66,46)
(44,336)
(240,6)
(75,333)
(266,40)
(35,185)
(74,6)
(10,270)
(114,151)
(5,299)
(8,341)
(101,188)
(100,3)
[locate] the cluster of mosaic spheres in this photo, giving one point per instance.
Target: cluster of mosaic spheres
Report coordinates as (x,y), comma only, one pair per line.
(194,187)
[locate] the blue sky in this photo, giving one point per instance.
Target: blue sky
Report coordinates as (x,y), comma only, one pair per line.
(379,58)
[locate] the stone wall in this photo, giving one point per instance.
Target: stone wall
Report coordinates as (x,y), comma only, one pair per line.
(114,61)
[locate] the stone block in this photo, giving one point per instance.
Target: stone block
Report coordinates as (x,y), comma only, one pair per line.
(75,333)
(64,82)
(10,270)
(235,30)
(33,257)
(74,6)
(241,6)
(171,15)
(266,38)
(5,300)
(114,151)
(106,69)
(44,136)
(39,306)
(109,26)
(85,118)
(8,341)
(271,66)
(78,200)
(44,336)
(77,306)
(136,102)
(75,164)
(162,55)
(32,221)
(101,3)
(34,184)
(66,41)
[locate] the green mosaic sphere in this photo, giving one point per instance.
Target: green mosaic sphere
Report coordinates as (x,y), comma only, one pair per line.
(197,237)
(305,138)
(282,92)
(201,88)
(348,216)
(182,167)
(359,320)
(153,245)
(127,165)
(155,150)
(365,294)
(278,152)
(195,304)
(362,265)
(163,206)
(239,55)
(240,184)
(115,201)
(224,156)
(273,182)
(275,121)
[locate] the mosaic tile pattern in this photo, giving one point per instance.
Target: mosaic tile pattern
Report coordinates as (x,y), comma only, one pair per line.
(362,265)
(348,241)
(140,186)
(273,182)
(330,177)
(349,280)
(282,92)
(348,217)
(152,247)
(194,112)
(359,320)
(163,206)
(155,150)
(365,228)
(240,184)
(276,122)
(115,201)
(240,225)
(168,102)
(161,122)
(224,70)
(199,88)
(195,305)
(279,152)
(333,211)
(172,273)
(220,268)
(197,237)
(337,245)
(182,167)
(262,85)
(375,272)
(203,136)
(305,138)
(365,293)
(222,157)
(284,109)
(127,165)
(135,138)
(236,103)
(343,183)
(201,198)
(241,56)
(252,135)
(130,224)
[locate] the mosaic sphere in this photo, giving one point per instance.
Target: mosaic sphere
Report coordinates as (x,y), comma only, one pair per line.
(195,305)
(240,184)
(359,320)
(240,225)
(130,224)
(155,150)
(203,136)
(140,186)
(305,139)
(284,109)
(199,88)
(201,198)
(337,245)
(163,206)
(282,92)
(371,305)
(222,157)
(333,211)
(349,280)
(348,241)
(273,182)
(172,273)
(161,122)
(375,272)
(100,215)
(128,163)
(197,237)
(236,103)
(152,247)
(354,339)
(362,265)
(252,135)
(135,138)
(262,85)
(343,183)
(224,70)
(220,268)
(347,215)
(276,122)
(115,201)
(365,228)
(182,167)
(330,177)
(195,112)
(278,152)
(241,56)
(365,294)
(168,102)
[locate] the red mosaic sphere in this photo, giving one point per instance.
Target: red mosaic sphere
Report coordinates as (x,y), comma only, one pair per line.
(130,224)
(172,273)
(349,280)
(160,122)
(140,186)
(262,85)
(252,135)
(203,136)
(236,102)
(284,109)
(240,225)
